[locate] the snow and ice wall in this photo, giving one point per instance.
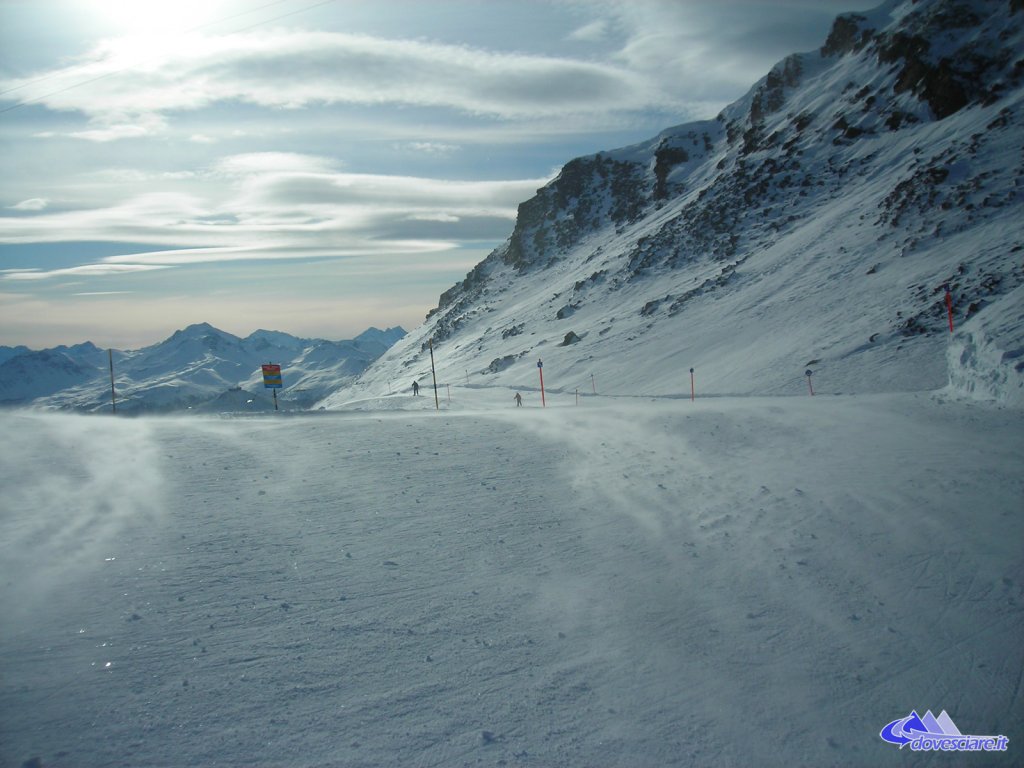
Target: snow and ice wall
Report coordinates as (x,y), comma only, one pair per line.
(986,356)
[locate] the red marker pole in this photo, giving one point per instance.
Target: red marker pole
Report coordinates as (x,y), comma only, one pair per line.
(540,370)
(693,391)
(808,374)
(593,385)
(949,307)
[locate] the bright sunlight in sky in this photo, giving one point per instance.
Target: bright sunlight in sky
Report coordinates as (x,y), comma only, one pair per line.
(321,166)
(137,17)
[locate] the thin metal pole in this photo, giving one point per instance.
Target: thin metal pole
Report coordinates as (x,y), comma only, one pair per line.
(540,370)
(113,396)
(437,403)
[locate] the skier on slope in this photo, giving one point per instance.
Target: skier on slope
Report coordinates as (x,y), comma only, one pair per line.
(415,387)
(519,400)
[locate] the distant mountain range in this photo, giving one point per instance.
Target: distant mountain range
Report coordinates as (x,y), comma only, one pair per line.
(200,368)
(814,224)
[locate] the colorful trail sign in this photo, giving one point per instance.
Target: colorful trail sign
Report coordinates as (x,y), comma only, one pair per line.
(272,379)
(272,376)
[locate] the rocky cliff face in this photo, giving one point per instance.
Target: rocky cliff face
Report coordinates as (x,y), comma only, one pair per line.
(872,173)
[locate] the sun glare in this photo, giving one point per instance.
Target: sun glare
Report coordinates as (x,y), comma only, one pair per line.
(154,17)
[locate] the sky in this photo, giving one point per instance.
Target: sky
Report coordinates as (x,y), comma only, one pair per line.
(321,166)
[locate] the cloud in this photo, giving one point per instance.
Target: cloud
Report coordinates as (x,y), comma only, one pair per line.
(273,162)
(386,192)
(32,204)
(443,217)
(186,256)
(283,216)
(708,54)
(145,126)
(432,147)
(277,206)
(684,58)
(158,217)
(154,260)
(282,205)
(85,270)
(591,32)
(127,87)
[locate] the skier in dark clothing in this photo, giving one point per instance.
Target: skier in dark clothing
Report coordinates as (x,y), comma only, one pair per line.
(415,387)
(519,400)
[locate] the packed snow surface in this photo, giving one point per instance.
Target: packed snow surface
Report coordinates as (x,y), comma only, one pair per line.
(626,582)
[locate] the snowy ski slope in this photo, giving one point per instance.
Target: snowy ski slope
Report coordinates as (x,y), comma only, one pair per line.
(629,582)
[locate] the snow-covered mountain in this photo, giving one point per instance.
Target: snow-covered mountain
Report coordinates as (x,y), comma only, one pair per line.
(813,224)
(199,367)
